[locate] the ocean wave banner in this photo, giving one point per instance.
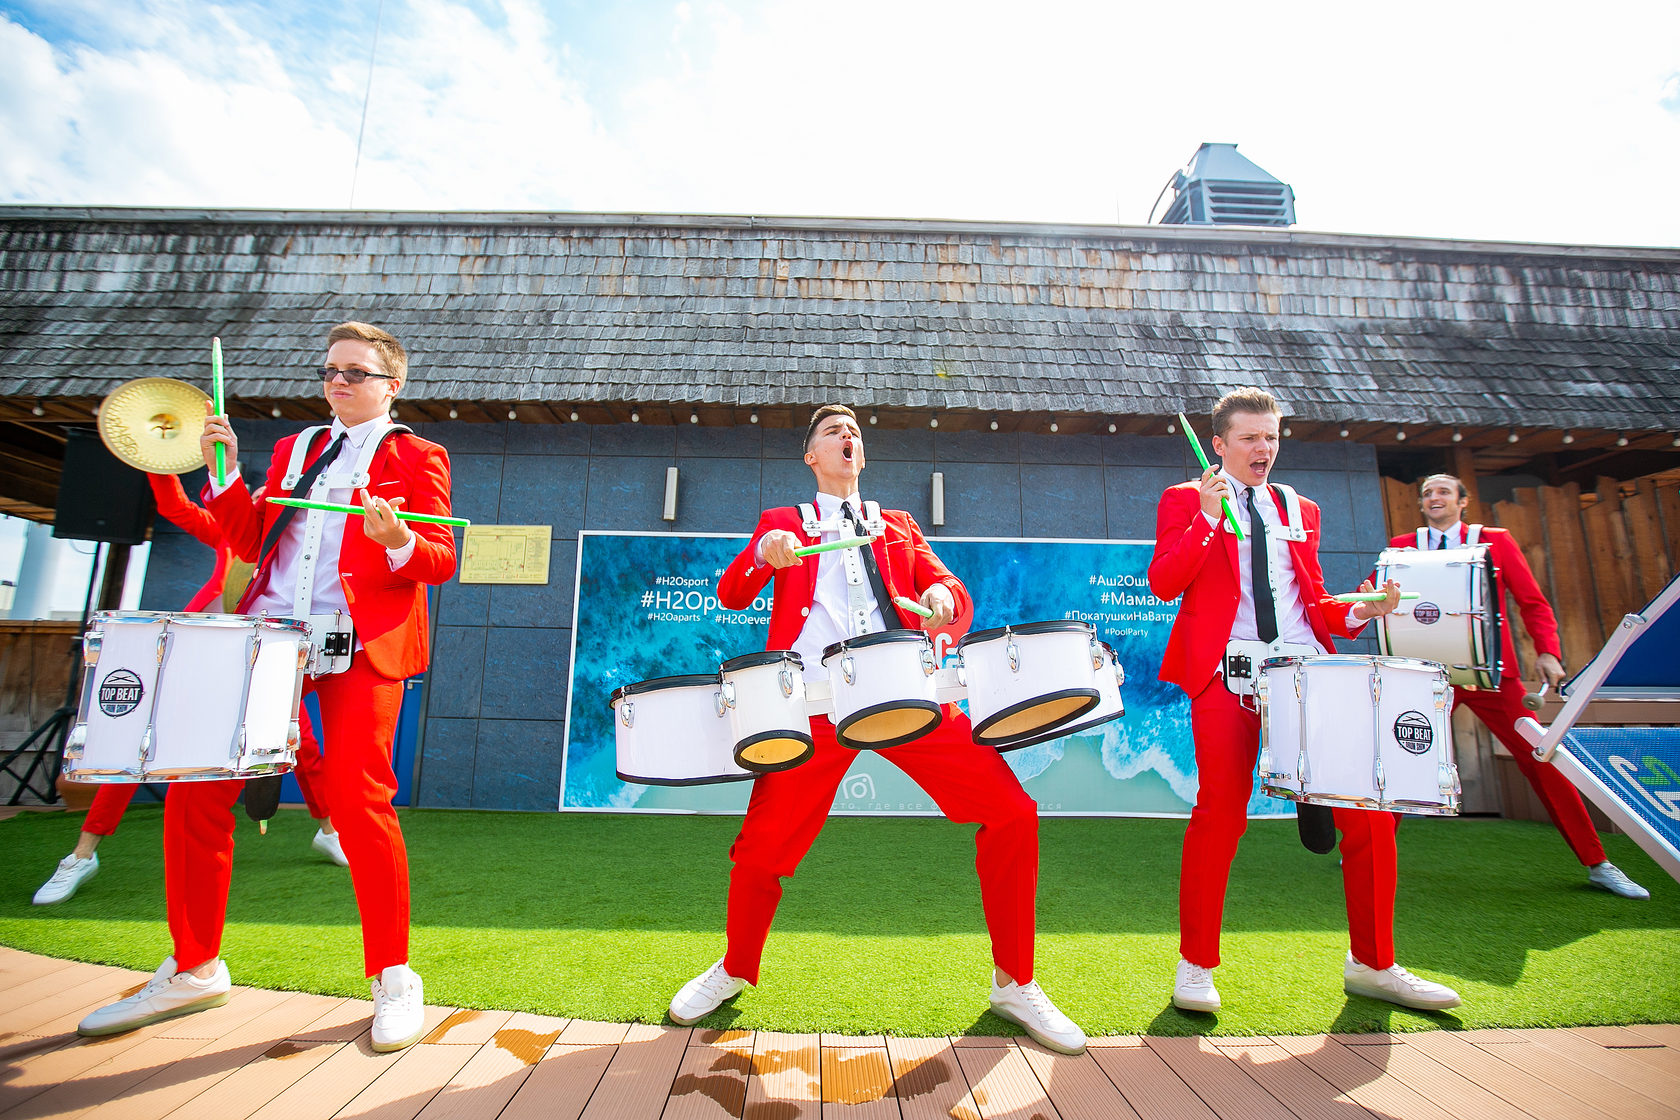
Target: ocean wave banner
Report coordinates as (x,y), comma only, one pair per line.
(646,606)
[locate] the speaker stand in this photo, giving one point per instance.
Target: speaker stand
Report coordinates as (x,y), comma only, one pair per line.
(56,728)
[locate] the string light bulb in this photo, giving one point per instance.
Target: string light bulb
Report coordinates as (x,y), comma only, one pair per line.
(513,414)
(872,419)
(1622,440)
(1112,428)
(753,418)
(1287,430)
(275,412)
(694,418)
(1458,436)
(454,413)
(933,421)
(1343,433)
(994,425)
(635,418)
(1055,427)
(1512,438)
(38,410)
(1400,435)
(574,415)
(1568,437)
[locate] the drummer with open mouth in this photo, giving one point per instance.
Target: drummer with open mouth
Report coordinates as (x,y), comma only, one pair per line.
(1267,587)
(829,598)
(363,578)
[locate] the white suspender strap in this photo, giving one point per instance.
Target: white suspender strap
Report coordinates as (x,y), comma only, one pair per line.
(1423,538)
(808,515)
(300,452)
(1472,534)
(873,524)
(364,460)
(1295,530)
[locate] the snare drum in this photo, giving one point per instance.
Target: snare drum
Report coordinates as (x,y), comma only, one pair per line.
(1109,679)
(674,731)
(168,696)
(1358,732)
(1024,680)
(883,688)
(1455,619)
(764,694)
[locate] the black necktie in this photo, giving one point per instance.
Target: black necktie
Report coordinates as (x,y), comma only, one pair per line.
(305,481)
(1265,609)
(876,583)
(1442,543)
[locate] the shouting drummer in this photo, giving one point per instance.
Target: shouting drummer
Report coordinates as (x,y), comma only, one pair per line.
(1443,499)
(828,598)
(372,569)
(1269,588)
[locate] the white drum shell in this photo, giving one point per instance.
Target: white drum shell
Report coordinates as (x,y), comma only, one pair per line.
(882,676)
(1110,706)
(1045,664)
(212,711)
(675,736)
(767,702)
(1450,621)
(1322,733)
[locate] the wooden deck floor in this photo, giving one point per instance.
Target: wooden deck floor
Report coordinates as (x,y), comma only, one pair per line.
(290,1056)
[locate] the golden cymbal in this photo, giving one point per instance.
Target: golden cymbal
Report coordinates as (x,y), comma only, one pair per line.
(153,424)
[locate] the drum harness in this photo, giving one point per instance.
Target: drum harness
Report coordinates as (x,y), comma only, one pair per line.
(858,591)
(333,635)
(1240,666)
(1472,536)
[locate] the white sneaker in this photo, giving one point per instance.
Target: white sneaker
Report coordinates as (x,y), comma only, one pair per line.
(73,872)
(1606,875)
(166,995)
(327,844)
(1193,988)
(1396,985)
(703,995)
(1028,1007)
(399,1008)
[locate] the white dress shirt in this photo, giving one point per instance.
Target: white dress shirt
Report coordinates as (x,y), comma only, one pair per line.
(1454,534)
(830,618)
(327,595)
(1292,621)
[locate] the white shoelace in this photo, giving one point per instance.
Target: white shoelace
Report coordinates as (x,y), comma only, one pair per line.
(1199,976)
(66,868)
(391,1004)
(1037,1000)
(715,981)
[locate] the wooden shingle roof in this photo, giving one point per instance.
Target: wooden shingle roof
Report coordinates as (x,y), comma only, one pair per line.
(620,310)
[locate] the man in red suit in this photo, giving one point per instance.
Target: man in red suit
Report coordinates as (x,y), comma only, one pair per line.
(111,800)
(1268,587)
(829,598)
(1443,499)
(373,568)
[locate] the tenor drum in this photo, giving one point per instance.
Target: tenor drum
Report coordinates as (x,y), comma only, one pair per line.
(1358,732)
(1110,707)
(179,697)
(1024,680)
(674,731)
(1454,620)
(764,694)
(883,688)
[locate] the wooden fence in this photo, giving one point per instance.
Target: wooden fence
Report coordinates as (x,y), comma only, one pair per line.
(1597,555)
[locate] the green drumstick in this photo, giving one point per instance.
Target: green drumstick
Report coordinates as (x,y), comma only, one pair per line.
(832,546)
(335,507)
(219,404)
(1196,446)
(1372,596)
(912,606)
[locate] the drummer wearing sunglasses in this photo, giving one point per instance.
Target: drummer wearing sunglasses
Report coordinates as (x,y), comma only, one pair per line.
(374,569)
(1269,588)
(827,598)
(1443,498)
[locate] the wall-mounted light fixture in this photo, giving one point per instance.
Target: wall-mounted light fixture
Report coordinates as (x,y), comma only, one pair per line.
(1568,437)
(1458,436)
(1622,440)
(670,511)
(1512,438)
(938,498)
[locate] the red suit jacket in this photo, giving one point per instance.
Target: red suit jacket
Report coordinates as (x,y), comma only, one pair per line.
(1200,563)
(388,608)
(908,567)
(1516,577)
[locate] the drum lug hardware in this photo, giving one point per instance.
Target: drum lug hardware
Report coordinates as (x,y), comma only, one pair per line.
(929,665)
(90,648)
(726,695)
(1014,652)
(785,678)
(239,742)
(1303,761)
(294,735)
(627,713)
(848,669)
(75,741)
(1096,654)
(148,745)
(1376,730)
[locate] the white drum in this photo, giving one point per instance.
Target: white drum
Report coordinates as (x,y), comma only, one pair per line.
(674,731)
(1358,732)
(1024,680)
(764,694)
(178,697)
(1454,620)
(883,688)
(1110,707)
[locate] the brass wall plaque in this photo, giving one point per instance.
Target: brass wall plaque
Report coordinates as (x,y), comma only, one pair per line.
(505,554)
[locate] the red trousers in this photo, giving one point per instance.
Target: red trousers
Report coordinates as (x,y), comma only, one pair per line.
(1227,747)
(1500,710)
(359,718)
(110,802)
(971,785)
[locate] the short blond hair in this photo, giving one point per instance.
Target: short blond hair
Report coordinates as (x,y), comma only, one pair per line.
(1252,399)
(391,353)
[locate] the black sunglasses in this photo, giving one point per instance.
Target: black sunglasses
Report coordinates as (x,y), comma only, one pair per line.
(351,376)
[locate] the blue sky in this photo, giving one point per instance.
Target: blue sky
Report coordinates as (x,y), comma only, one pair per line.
(1545,122)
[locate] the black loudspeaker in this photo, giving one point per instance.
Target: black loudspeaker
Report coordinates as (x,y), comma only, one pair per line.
(100,498)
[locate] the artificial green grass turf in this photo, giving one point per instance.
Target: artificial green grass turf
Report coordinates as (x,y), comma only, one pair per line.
(603,917)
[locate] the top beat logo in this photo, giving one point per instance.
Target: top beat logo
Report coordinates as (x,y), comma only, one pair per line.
(1426,614)
(1414,732)
(120,692)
